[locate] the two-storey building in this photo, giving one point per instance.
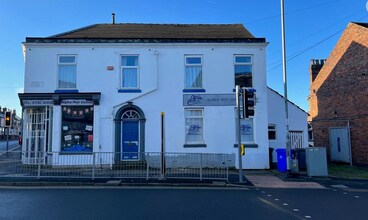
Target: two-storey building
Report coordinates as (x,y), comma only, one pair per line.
(103,88)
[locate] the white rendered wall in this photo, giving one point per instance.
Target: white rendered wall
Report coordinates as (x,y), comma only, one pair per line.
(161,77)
(277,116)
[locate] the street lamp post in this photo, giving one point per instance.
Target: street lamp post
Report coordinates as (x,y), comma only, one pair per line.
(288,147)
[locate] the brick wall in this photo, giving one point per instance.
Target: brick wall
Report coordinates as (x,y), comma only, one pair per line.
(339,93)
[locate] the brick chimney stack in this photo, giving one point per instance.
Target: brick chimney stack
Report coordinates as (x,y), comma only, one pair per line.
(315,67)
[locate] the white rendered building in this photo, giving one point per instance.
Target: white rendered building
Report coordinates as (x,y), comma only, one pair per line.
(103,88)
(298,125)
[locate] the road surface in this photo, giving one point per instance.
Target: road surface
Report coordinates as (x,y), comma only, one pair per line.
(12,144)
(181,203)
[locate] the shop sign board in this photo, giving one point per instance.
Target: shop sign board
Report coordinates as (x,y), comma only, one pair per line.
(29,103)
(209,100)
(76,102)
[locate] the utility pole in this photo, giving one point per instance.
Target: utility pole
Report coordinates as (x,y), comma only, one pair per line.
(237,91)
(288,147)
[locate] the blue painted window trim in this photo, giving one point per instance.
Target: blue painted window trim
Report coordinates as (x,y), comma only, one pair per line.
(66,91)
(129,91)
(74,153)
(194,145)
(250,90)
(247,145)
(194,90)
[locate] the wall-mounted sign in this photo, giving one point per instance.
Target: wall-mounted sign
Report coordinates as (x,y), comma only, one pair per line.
(209,100)
(28,103)
(76,102)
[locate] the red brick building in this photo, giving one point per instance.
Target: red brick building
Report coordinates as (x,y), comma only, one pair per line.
(339,98)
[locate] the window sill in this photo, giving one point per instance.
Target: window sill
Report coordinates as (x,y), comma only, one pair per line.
(66,91)
(247,145)
(193,90)
(195,145)
(250,89)
(75,153)
(129,91)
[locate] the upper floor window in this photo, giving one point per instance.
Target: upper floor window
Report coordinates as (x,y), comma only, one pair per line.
(271,132)
(67,76)
(193,72)
(129,71)
(243,70)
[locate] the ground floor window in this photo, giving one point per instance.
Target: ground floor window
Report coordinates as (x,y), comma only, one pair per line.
(271,132)
(246,130)
(77,129)
(193,126)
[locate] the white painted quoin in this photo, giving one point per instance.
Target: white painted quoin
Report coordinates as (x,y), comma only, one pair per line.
(298,126)
(161,71)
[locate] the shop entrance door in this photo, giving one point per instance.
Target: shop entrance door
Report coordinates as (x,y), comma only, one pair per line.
(37,135)
(130,140)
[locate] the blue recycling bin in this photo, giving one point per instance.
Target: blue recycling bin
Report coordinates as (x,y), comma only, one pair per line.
(281,159)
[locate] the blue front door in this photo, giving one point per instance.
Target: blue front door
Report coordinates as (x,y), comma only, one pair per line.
(130,140)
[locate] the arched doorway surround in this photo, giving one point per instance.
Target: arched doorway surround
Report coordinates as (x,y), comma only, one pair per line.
(129,132)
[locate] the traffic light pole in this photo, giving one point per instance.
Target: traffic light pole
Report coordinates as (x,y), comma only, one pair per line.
(237,91)
(7,140)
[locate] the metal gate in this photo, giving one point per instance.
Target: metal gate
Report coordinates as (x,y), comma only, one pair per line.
(37,134)
(340,149)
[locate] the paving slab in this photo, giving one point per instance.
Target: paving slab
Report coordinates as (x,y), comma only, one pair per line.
(268,181)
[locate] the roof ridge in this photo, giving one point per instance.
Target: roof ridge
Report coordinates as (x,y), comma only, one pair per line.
(153,31)
(287,99)
(72,31)
(362,24)
(163,24)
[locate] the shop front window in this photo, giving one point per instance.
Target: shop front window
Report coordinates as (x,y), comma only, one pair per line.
(77,129)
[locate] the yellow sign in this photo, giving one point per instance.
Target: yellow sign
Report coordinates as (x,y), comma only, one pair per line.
(242,152)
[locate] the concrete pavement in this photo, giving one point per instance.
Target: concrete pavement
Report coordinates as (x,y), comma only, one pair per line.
(253,179)
(269,181)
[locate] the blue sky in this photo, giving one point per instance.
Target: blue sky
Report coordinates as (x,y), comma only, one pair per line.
(311,25)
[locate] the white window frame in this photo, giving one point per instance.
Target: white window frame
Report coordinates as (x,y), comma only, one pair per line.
(188,65)
(185,124)
(274,129)
(129,67)
(244,64)
(66,64)
(253,131)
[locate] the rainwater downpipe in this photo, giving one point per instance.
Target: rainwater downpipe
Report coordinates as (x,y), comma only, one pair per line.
(349,140)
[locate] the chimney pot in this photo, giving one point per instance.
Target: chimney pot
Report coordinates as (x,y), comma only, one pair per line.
(113,18)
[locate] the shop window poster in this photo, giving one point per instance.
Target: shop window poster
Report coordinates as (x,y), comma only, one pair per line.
(77,129)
